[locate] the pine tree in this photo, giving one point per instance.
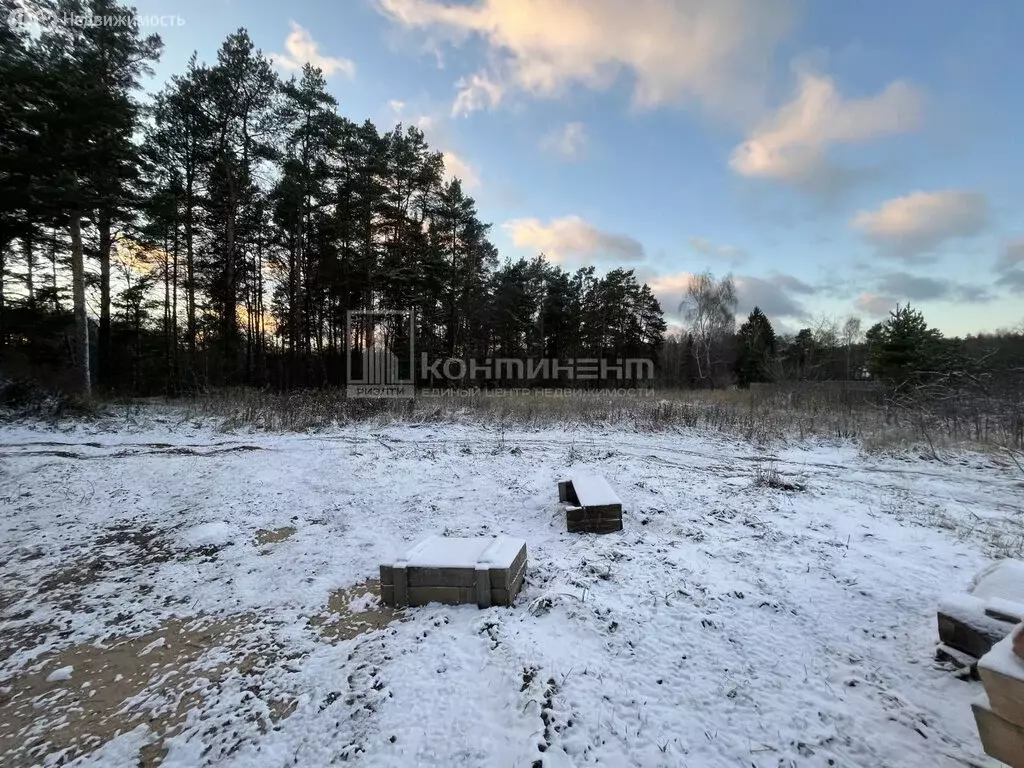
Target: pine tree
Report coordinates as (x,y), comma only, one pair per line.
(801,354)
(755,349)
(21,74)
(112,58)
(460,239)
(180,141)
(242,88)
(904,350)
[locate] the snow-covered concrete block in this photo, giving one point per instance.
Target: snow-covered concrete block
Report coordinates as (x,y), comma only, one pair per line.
(1004,610)
(1003,579)
(974,622)
(1001,738)
(440,569)
(595,506)
(1002,673)
(593,520)
(965,624)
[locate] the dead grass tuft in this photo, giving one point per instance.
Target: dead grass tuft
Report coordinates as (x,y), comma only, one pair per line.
(768,476)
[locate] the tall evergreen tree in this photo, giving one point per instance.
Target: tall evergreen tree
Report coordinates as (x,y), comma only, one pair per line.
(242,88)
(904,350)
(755,351)
(112,58)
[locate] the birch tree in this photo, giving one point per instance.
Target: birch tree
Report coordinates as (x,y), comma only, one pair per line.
(709,308)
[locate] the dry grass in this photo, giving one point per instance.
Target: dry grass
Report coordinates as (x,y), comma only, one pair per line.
(768,476)
(761,416)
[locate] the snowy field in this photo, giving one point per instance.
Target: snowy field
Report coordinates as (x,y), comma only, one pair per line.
(176,595)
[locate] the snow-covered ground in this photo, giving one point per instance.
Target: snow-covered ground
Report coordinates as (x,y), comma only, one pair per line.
(729,624)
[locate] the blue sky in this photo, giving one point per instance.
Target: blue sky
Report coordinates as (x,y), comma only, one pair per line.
(837,158)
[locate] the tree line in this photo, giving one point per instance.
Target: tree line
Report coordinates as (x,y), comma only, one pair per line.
(903,356)
(220,231)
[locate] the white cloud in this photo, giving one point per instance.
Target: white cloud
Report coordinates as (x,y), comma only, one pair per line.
(396,106)
(792,146)
(908,227)
(426,123)
(569,141)
(570,238)
(874,305)
(725,253)
(711,51)
(456,167)
(476,92)
(303,49)
(670,290)
(677,283)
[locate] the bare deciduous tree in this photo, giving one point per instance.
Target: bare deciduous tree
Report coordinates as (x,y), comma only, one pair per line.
(710,309)
(851,336)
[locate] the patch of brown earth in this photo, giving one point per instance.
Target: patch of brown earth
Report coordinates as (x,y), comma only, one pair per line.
(117,684)
(340,622)
(276,536)
(155,679)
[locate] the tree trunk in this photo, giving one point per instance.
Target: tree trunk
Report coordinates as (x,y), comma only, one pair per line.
(81,318)
(261,366)
(190,275)
(229,320)
(168,352)
(3,328)
(103,339)
(173,384)
(53,270)
(29,270)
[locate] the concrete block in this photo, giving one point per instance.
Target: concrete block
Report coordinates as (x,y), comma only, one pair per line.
(1005,694)
(485,571)
(596,508)
(483,586)
(401,584)
(1001,739)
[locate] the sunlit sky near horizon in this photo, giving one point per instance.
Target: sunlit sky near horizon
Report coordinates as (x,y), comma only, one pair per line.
(837,158)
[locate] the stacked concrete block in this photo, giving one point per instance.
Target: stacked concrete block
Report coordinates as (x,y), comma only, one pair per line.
(594,506)
(484,571)
(999,714)
(1001,738)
